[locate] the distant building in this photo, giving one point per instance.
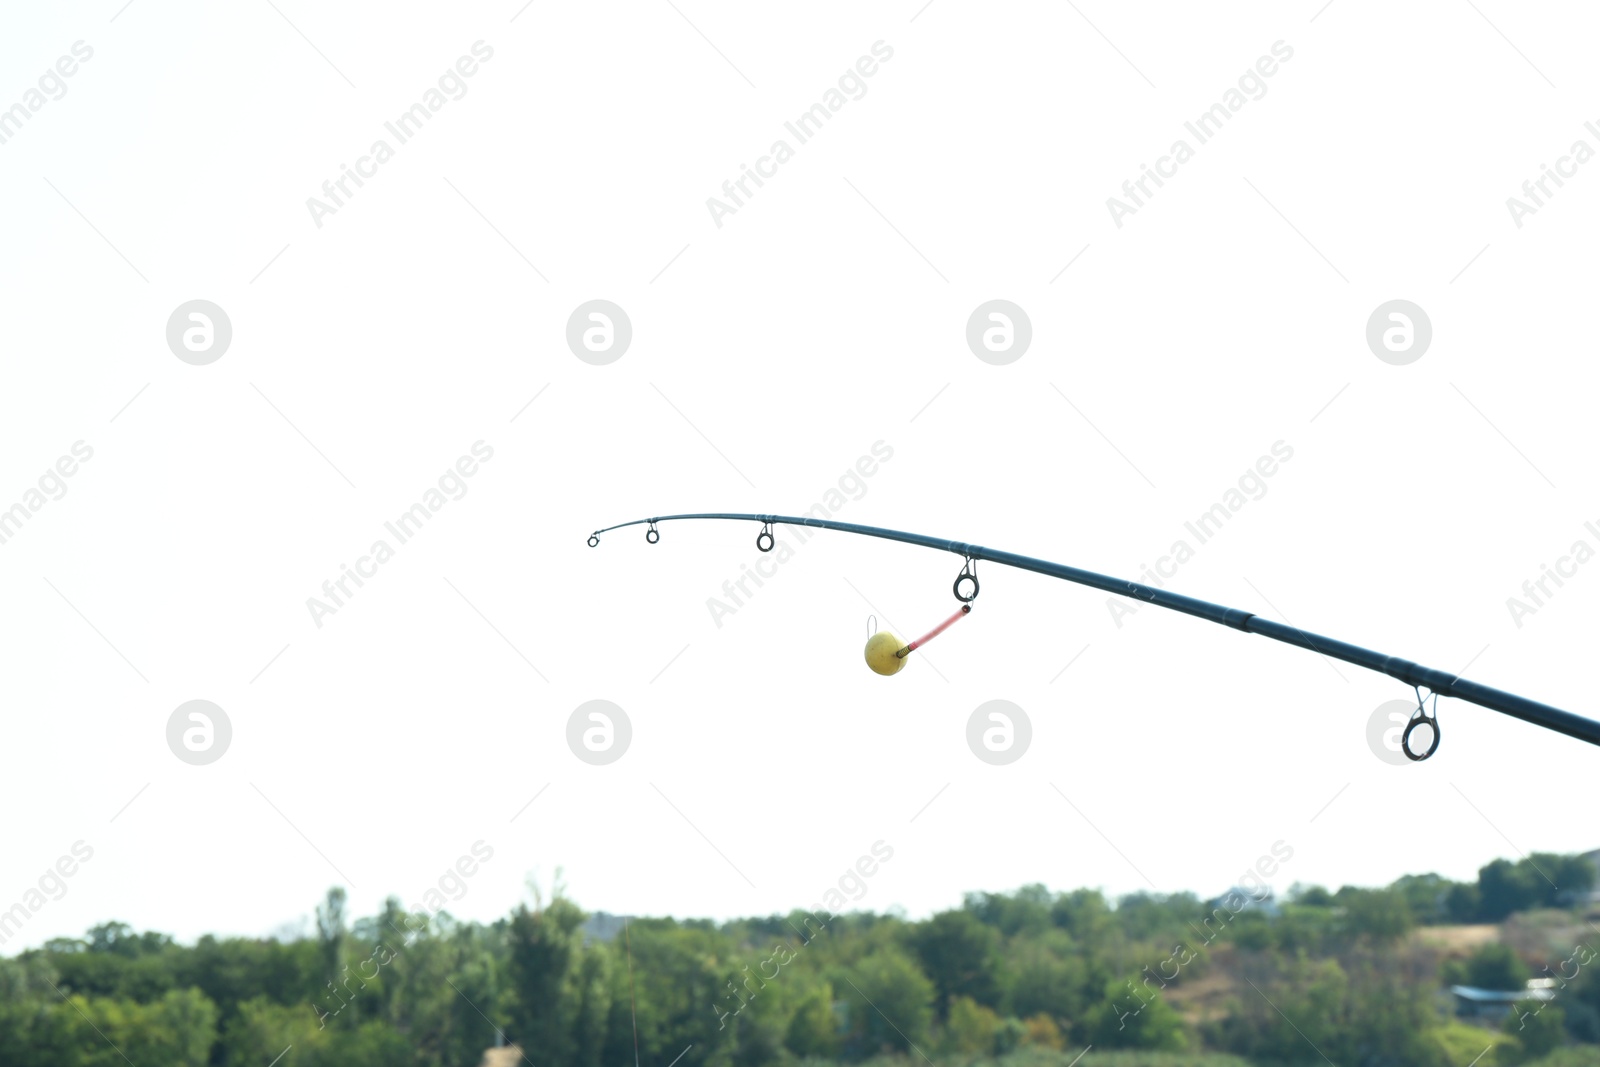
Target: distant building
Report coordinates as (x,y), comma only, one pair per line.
(603,926)
(1493,1005)
(1240,899)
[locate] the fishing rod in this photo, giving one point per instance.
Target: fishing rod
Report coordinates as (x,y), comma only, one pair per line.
(883,647)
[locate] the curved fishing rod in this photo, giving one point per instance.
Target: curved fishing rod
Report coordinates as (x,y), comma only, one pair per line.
(1438,683)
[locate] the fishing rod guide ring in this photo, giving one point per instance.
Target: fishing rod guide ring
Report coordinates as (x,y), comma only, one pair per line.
(1421,718)
(594,540)
(652,535)
(766,535)
(969,573)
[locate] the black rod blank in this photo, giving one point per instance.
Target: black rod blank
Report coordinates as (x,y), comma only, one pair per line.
(1413,674)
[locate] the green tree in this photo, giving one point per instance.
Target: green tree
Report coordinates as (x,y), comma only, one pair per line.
(679,976)
(1304,1011)
(177,1030)
(1042,1032)
(1155,916)
(261,1027)
(1580,997)
(1504,887)
(971,1027)
(331,936)
(544,946)
(960,954)
(1312,896)
(1495,966)
(593,1009)
(1084,914)
(1573,874)
(814,1029)
(1379,914)
(1025,911)
(1463,903)
(1044,976)
(890,1002)
(1134,1015)
(1539,1027)
(1426,896)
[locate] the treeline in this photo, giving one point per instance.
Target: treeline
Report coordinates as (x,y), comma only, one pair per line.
(1542,880)
(1032,975)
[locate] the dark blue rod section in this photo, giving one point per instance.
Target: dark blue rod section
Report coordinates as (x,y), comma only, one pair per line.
(1414,674)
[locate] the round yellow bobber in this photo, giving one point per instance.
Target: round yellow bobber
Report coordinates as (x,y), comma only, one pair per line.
(881,649)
